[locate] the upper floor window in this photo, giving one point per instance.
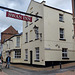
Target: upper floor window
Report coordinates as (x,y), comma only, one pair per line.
(18,42)
(36,17)
(37,53)
(31,36)
(31,8)
(37,34)
(26,37)
(61,33)
(26,23)
(26,54)
(61,18)
(64,53)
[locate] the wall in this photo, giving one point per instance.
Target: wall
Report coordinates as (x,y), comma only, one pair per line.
(52,35)
(35,43)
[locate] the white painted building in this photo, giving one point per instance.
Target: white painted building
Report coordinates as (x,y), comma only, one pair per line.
(45,41)
(53,40)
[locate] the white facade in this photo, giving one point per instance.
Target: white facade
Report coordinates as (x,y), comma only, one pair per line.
(52,46)
(12,46)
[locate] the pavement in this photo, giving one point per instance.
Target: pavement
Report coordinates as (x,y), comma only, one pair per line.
(67,69)
(43,68)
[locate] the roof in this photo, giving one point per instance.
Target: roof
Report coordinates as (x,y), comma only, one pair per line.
(14,36)
(6,34)
(10,30)
(57,9)
(51,7)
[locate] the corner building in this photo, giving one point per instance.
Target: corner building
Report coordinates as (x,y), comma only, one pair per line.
(53,41)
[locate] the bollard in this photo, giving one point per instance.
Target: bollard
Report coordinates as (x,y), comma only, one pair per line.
(52,64)
(60,65)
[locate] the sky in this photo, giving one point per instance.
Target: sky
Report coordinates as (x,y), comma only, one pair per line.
(22,5)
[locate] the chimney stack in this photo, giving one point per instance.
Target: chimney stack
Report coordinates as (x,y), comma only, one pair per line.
(43,2)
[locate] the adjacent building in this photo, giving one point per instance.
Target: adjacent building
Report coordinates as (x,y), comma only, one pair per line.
(12,47)
(10,31)
(44,41)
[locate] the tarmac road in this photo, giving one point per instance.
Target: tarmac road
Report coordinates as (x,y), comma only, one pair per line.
(19,71)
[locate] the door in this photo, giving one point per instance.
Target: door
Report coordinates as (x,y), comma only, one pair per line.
(31,57)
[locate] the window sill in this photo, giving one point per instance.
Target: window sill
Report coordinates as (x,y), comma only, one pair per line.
(31,41)
(62,39)
(65,58)
(26,26)
(31,24)
(61,21)
(36,20)
(26,42)
(25,60)
(37,60)
(17,46)
(37,39)
(17,58)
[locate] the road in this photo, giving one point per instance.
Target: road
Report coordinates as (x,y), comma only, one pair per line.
(19,71)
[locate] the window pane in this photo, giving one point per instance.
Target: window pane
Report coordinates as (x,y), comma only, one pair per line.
(64,52)
(18,41)
(61,36)
(26,54)
(61,33)
(60,17)
(26,23)
(37,53)
(17,54)
(65,55)
(26,37)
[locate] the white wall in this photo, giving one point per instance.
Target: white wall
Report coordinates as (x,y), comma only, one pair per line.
(52,34)
(35,43)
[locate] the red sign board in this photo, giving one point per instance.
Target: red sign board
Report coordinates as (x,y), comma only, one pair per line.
(18,16)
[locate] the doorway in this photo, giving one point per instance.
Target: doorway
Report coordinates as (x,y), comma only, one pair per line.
(30,57)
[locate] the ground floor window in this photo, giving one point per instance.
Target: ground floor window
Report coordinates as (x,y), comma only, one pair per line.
(64,53)
(7,53)
(37,53)
(26,54)
(18,54)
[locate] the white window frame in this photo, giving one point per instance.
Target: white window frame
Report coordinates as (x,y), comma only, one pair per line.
(26,37)
(17,55)
(64,53)
(26,23)
(61,17)
(37,34)
(61,33)
(26,54)
(37,53)
(18,41)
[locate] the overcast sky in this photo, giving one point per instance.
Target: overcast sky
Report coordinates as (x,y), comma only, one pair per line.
(22,5)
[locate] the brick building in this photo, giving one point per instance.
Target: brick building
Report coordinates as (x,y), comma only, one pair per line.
(10,31)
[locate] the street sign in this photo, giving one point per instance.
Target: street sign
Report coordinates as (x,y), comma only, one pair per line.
(18,16)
